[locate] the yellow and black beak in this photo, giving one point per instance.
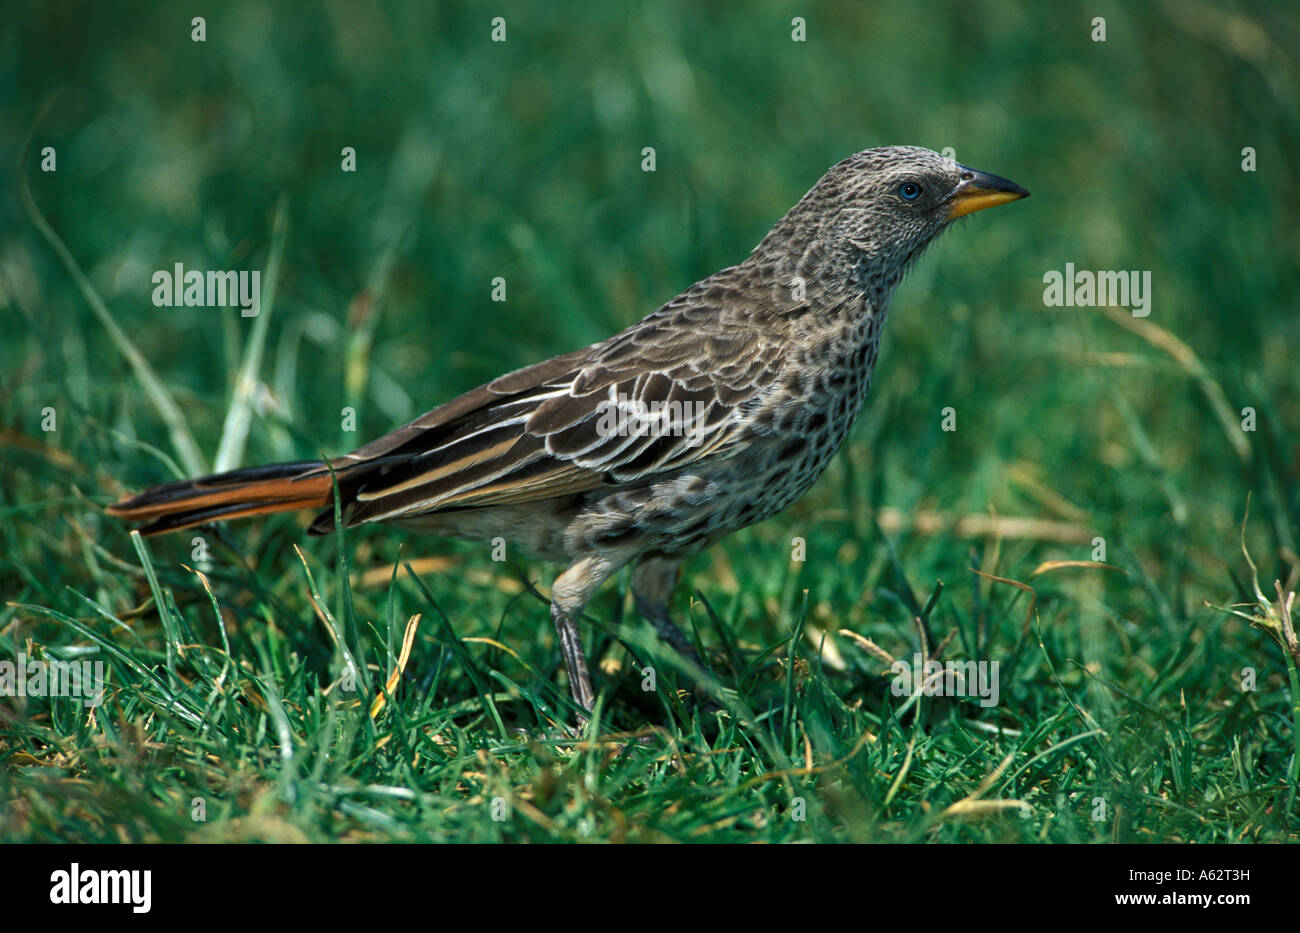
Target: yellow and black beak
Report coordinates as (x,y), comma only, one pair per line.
(978,190)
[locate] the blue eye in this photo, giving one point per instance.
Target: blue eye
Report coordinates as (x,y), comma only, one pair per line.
(909,191)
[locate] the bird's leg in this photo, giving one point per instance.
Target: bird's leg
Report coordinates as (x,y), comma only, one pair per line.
(575,659)
(652,584)
(569,594)
(668,630)
(653,581)
(657,615)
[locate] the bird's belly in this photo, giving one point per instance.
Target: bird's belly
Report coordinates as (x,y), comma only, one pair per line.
(685,512)
(784,448)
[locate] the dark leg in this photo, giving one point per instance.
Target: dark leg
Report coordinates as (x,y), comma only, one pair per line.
(575,660)
(657,615)
(569,596)
(653,581)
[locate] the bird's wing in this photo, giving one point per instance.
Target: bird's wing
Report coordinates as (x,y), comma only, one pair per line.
(553,429)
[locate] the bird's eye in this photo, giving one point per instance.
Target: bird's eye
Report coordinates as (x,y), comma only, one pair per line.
(909,191)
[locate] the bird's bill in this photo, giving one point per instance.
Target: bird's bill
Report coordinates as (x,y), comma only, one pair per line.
(979,190)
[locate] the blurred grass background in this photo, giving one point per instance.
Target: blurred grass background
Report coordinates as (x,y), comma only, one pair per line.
(522,159)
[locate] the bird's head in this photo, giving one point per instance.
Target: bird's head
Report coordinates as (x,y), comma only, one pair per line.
(877,210)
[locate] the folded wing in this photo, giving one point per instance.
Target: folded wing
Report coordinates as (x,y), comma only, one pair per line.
(652,400)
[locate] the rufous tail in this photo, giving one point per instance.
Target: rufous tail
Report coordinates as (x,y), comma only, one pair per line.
(280,487)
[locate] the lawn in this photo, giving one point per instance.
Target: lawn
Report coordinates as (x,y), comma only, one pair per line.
(1106,506)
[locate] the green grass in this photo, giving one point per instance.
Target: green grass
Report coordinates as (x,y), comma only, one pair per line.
(247,690)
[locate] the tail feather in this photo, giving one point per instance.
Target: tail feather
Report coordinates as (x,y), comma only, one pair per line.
(280,487)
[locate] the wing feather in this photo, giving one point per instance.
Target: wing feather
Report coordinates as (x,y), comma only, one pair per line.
(545,431)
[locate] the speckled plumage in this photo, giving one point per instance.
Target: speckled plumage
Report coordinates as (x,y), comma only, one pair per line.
(774,355)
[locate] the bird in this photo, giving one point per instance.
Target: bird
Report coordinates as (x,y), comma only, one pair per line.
(717,410)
